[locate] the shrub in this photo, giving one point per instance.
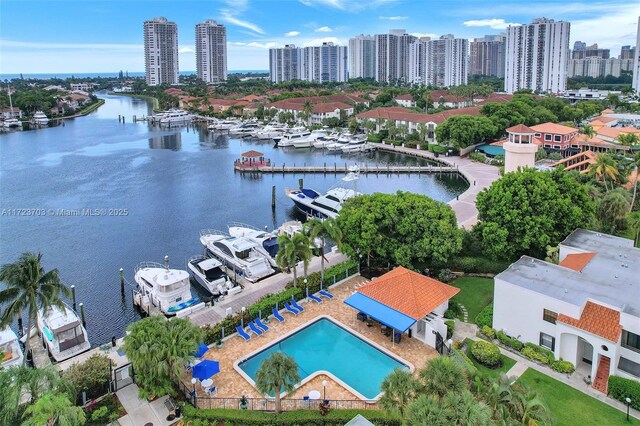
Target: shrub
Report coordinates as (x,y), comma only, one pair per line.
(509,341)
(534,356)
(542,351)
(458,344)
(100,414)
(446,276)
(621,388)
(486,353)
(476,156)
(91,376)
(562,366)
(485,317)
(454,311)
(488,331)
(451,326)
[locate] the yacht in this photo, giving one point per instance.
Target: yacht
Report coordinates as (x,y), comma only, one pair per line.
(292,135)
(62,332)
(40,119)
(209,273)
(223,125)
(307,142)
(175,116)
(270,132)
(10,349)
(12,122)
(312,203)
(240,254)
(324,141)
(268,241)
(340,143)
(358,143)
(167,289)
(245,129)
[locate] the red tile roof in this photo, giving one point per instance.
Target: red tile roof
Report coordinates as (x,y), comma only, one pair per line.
(409,292)
(404,114)
(405,97)
(556,129)
(252,154)
(596,319)
(577,261)
(330,107)
(520,128)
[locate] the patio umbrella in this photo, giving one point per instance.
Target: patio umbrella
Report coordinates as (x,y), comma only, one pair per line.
(202,349)
(205,369)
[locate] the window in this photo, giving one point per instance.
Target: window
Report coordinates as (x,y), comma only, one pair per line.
(547,341)
(630,341)
(557,138)
(550,316)
(547,137)
(629,366)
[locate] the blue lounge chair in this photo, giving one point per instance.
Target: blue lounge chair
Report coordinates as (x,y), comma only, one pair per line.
(260,324)
(290,308)
(326,294)
(277,315)
(296,306)
(242,333)
(315,298)
(255,329)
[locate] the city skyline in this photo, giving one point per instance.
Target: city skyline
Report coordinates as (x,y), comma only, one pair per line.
(81,43)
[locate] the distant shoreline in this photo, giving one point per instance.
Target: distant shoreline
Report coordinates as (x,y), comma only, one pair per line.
(49,76)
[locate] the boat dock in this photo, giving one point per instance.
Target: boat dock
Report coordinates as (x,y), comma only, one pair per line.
(341,168)
(40,356)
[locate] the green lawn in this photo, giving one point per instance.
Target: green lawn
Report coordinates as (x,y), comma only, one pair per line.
(570,406)
(475,294)
(507,362)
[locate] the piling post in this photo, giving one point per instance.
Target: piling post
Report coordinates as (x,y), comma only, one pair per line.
(84,321)
(273,197)
(73,295)
(134,118)
(301,183)
(20,329)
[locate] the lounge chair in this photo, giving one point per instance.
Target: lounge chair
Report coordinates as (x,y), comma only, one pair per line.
(211,390)
(291,309)
(315,298)
(326,294)
(255,329)
(277,315)
(295,305)
(242,333)
(260,324)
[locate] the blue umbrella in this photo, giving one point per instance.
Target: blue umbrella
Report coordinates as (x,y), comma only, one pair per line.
(202,349)
(205,369)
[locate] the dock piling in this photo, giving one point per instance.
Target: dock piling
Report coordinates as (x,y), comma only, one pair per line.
(300,183)
(73,295)
(84,321)
(121,280)
(273,197)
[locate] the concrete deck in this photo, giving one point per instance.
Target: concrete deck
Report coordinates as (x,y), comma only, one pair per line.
(106,349)
(140,411)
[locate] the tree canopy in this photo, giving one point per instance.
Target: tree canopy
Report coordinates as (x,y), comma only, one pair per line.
(464,130)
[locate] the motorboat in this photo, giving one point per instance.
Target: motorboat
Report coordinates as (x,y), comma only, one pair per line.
(267,240)
(324,141)
(223,125)
(175,116)
(245,129)
(340,143)
(40,119)
(10,348)
(307,142)
(11,122)
(315,204)
(358,143)
(271,132)
(292,135)
(240,254)
(62,332)
(167,289)
(210,274)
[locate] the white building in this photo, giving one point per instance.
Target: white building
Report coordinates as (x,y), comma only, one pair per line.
(392,56)
(636,64)
(446,61)
(84,87)
(362,57)
(520,148)
(585,309)
(160,51)
(418,61)
(537,56)
(211,52)
(285,63)
(325,63)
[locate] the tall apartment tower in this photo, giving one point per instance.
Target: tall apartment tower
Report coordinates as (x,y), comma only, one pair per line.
(446,61)
(392,55)
(537,56)
(325,63)
(418,61)
(627,52)
(285,64)
(160,51)
(362,57)
(636,64)
(486,56)
(582,51)
(211,52)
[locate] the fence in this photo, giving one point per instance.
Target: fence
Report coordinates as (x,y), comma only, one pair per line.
(269,404)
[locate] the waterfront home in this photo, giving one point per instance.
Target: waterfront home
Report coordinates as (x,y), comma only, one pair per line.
(586,309)
(319,112)
(11,113)
(85,87)
(405,100)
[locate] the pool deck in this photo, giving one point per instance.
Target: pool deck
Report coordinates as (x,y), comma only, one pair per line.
(231,384)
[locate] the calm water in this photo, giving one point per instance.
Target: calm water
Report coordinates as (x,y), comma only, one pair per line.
(326,346)
(172,184)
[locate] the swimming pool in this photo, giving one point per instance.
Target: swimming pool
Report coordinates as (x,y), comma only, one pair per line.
(324,346)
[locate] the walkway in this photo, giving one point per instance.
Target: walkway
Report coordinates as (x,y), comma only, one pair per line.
(335,168)
(479,176)
(140,411)
(255,291)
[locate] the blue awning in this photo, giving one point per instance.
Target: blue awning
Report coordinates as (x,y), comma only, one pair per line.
(380,312)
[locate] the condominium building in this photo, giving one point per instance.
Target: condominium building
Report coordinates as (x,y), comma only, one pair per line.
(582,51)
(161,51)
(486,56)
(325,63)
(598,67)
(418,61)
(627,52)
(636,64)
(285,64)
(537,56)
(211,52)
(362,57)
(392,55)
(446,61)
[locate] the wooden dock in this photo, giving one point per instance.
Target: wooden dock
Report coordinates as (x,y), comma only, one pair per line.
(344,168)
(40,355)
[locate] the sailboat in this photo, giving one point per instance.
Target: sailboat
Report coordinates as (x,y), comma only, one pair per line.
(11,121)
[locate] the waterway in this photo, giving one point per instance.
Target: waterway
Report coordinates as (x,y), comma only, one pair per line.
(161,186)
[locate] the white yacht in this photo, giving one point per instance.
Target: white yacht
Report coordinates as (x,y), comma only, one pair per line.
(11,122)
(270,132)
(223,125)
(209,273)
(10,349)
(340,143)
(40,119)
(167,289)
(324,141)
(240,254)
(175,116)
(307,142)
(62,333)
(292,135)
(268,241)
(358,143)
(245,129)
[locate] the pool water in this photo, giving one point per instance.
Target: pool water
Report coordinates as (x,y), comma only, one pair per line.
(324,345)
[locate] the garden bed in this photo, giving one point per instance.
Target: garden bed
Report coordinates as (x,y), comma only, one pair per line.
(505,362)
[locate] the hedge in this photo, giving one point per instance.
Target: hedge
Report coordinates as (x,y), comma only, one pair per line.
(486,353)
(451,326)
(478,264)
(485,317)
(562,366)
(621,388)
(543,355)
(488,331)
(195,417)
(534,356)
(509,341)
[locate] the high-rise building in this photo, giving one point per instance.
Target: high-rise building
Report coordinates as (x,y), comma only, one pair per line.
(596,67)
(161,51)
(636,65)
(627,52)
(285,64)
(537,56)
(418,61)
(582,51)
(326,63)
(486,56)
(211,52)
(362,57)
(446,61)
(392,55)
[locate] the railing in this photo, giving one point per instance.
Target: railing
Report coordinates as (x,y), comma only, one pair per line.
(143,265)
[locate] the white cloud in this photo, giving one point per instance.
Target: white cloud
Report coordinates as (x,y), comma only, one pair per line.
(232,15)
(292,33)
(324,29)
(348,5)
(393,18)
(186,49)
(319,41)
(496,24)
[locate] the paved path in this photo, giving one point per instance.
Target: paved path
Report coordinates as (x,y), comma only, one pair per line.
(140,411)
(255,291)
(479,176)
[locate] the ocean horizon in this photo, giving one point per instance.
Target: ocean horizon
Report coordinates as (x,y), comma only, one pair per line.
(48,76)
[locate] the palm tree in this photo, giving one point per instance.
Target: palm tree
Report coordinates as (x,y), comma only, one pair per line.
(636,168)
(529,408)
(53,410)
(612,210)
(324,230)
(634,223)
(399,389)
(292,250)
(587,131)
(604,168)
(180,343)
(426,410)
(629,139)
(442,375)
(276,374)
(464,409)
(307,110)
(30,288)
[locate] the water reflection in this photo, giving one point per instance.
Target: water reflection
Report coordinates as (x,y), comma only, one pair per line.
(172,142)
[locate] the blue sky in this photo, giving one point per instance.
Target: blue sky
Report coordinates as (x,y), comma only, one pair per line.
(106,35)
